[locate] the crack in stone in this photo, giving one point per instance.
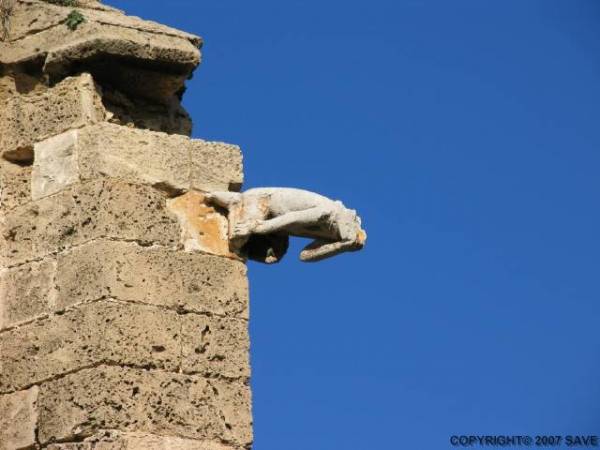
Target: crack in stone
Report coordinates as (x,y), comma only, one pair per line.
(208,375)
(140,242)
(100,21)
(112,299)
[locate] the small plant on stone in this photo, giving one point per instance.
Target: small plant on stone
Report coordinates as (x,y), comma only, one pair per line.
(74,19)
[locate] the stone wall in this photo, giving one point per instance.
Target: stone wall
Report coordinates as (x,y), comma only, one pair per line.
(123,314)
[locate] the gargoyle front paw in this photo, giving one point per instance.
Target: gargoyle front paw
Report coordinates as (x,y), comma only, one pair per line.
(242,229)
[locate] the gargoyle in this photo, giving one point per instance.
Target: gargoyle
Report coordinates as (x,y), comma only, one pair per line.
(262,220)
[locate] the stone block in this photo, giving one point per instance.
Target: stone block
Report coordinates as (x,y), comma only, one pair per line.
(215,346)
(18,419)
(170,162)
(91,334)
(145,401)
(55,165)
(126,334)
(27,292)
(84,212)
(216,166)
(7,88)
(115,440)
(142,113)
(138,156)
(152,275)
(29,118)
(15,84)
(108,150)
(15,184)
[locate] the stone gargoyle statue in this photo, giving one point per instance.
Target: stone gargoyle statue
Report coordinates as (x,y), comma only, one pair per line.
(261,221)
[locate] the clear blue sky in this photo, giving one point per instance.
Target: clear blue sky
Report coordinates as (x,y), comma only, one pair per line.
(467,134)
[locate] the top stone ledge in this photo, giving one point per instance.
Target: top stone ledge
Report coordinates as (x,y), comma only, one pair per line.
(49,15)
(124,51)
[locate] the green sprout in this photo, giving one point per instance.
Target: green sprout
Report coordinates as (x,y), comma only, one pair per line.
(74,19)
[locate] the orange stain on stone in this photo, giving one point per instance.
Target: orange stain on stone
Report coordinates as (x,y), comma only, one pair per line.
(203,228)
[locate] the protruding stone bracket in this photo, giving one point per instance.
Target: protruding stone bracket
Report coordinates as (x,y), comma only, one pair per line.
(203,227)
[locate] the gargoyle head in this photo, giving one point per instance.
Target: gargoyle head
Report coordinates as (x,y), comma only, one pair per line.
(350,228)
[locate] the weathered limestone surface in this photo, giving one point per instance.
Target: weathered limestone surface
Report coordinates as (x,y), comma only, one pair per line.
(105,41)
(122,334)
(184,282)
(123,312)
(136,112)
(26,119)
(216,166)
(18,419)
(50,15)
(85,336)
(15,185)
(27,292)
(216,347)
(108,150)
(153,275)
(170,162)
(150,401)
(84,212)
(19,83)
(111,440)
(93,43)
